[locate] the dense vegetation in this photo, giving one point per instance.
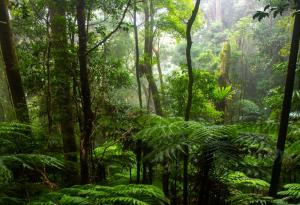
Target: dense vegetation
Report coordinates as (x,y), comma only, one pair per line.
(149,102)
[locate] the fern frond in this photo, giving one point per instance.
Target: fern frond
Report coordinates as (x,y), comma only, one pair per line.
(74,200)
(120,200)
(241,180)
(292,191)
(6,200)
(104,195)
(248,199)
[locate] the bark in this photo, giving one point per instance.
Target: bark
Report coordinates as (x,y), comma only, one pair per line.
(145,175)
(61,82)
(148,54)
(286,106)
(224,78)
(137,56)
(157,55)
(138,161)
(219,11)
(11,65)
(147,94)
(48,90)
(204,181)
(190,95)
(85,94)
(166,178)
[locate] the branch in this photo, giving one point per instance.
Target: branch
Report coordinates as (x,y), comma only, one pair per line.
(112,32)
(39,16)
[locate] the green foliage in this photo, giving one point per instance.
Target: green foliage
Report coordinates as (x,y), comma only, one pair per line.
(166,138)
(222,93)
(174,20)
(16,155)
(240,180)
(250,111)
(247,199)
(291,192)
(207,60)
(238,161)
(278,7)
(273,101)
(95,194)
(111,153)
(204,85)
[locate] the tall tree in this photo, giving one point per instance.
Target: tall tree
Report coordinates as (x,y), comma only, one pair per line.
(286,106)
(157,55)
(138,80)
(148,54)
(219,11)
(190,94)
(137,54)
(62,100)
(85,141)
(11,65)
(224,77)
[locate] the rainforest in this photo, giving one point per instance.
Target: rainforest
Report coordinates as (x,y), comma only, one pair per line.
(149,102)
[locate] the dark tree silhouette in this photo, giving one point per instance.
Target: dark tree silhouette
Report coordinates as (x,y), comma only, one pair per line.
(85,141)
(190,94)
(11,65)
(286,106)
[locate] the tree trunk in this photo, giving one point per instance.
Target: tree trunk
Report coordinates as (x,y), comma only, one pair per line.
(138,161)
(85,94)
(138,75)
(148,54)
(11,65)
(166,178)
(137,55)
(286,106)
(224,78)
(62,99)
(190,95)
(48,89)
(157,55)
(219,11)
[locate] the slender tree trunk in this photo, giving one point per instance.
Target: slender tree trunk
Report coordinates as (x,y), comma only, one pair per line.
(224,78)
(137,67)
(147,96)
(206,162)
(85,92)
(138,161)
(137,55)
(190,95)
(62,99)
(48,90)
(148,54)
(219,11)
(286,106)
(166,178)
(145,175)
(157,55)
(11,65)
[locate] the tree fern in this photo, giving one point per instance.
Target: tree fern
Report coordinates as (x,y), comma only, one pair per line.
(166,138)
(112,152)
(16,155)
